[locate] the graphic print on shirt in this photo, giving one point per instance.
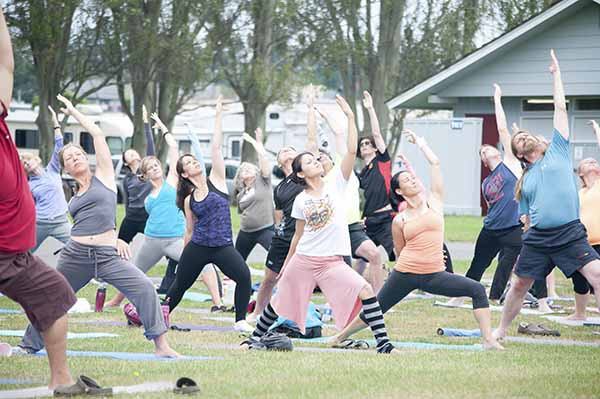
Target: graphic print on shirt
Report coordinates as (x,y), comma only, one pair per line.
(318,213)
(493,189)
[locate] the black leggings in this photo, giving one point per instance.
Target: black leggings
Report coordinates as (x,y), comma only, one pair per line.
(245,242)
(447,259)
(489,243)
(399,285)
(580,284)
(193,259)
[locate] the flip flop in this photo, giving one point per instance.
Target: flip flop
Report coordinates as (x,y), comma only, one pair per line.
(186,386)
(83,386)
(351,344)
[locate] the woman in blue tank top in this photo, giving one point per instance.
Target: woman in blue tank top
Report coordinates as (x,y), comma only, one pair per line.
(208,237)
(163,233)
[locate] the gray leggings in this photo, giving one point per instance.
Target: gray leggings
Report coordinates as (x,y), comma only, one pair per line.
(59,229)
(153,249)
(80,263)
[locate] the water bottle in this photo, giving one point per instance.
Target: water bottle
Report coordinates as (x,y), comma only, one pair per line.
(326,313)
(100,297)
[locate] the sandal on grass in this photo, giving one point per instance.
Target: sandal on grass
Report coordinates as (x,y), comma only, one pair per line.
(83,386)
(186,386)
(351,344)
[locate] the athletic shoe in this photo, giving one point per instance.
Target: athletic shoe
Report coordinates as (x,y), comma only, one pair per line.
(218,309)
(20,351)
(243,326)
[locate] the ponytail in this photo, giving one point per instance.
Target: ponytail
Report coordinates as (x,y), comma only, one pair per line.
(184,185)
(519,185)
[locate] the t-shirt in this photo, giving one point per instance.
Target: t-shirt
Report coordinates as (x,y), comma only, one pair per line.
(256,205)
(326,228)
(165,219)
(352,196)
(375,179)
(136,190)
(284,195)
(549,193)
(499,192)
(589,200)
(17,210)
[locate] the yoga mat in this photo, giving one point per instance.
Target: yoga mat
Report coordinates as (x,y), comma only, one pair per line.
(458,332)
(494,308)
(130,356)
(555,341)
(132,389)
(197,297)
(195,327)
(400,344)
(17,381)
(70,335)
(228,319)
(10,311)
(590,321)
(113,323)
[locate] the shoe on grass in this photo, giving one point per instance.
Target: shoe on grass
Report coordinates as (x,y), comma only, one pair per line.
(83,386)
(536,329)
(243,326)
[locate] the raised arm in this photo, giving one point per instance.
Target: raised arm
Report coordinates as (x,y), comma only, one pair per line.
(368,104)
(150,150)
(509,158)
(172,154)
(350,156)
(196,150)
(263,163)
(311,136)
(54,164)
(437,183)
(596,128)
(7,63)
(338,132)
(561,118)
(217,173)
(104,165)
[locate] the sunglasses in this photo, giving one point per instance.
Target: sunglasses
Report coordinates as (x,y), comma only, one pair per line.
(365,143)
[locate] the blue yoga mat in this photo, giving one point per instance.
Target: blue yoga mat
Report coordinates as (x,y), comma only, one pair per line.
(407,345)
(71,335)
(458,332)
(197,297)
(130,356)
(10,311)
(17,381)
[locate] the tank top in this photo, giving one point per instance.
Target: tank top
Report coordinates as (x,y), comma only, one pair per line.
(165,219)
(93,212)
(213,224)
(424,237)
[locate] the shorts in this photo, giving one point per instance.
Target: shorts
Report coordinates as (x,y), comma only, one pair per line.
(277,254)
(379,230)
(44,293)
(357,237)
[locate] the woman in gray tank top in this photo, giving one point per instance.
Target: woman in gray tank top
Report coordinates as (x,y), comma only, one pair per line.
(94,250)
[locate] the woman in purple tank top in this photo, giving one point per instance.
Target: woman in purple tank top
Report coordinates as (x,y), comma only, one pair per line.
(208,237)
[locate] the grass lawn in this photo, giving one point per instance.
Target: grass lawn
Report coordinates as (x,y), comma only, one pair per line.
(523,370)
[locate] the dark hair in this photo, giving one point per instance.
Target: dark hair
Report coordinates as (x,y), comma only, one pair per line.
(327,153)
(184,185)
(370,139)
(395,198)
(297,168)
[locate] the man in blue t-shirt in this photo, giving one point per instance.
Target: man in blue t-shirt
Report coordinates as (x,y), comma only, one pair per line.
(547,195)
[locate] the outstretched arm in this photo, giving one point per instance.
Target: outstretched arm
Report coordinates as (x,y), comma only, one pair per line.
(561,118)
(104,165)
(437,183)
(7,64)
(311,136)
(596,128)
(54,164)
(217,173)
(338,132)
(150,150)
(263,163)
(379,141)
(196,150)
(350,156)
(172,154)
(509,158)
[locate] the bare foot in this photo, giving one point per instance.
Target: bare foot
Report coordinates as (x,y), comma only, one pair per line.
(492,344)
(166,352)
(544,308)
(576,316)
(498,335)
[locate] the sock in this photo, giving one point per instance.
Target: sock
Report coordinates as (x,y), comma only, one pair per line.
(265,321)
(374,318)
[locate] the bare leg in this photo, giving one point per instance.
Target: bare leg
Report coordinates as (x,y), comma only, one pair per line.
(581,301)
(360,266)
(265,291)
(591,272)
(484,318)
(55,339)
(162,348)
(512,304)
(551,284)
(369,251)
(209,278)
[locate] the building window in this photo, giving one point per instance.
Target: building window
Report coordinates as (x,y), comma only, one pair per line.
(539,104)
(67,137)
(274,115)
(128,143)
(25,138)
(86,142)
(185,146)
(115,144)
(588,104)
(236,149)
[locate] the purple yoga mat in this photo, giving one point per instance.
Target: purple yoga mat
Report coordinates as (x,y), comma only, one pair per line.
(193,327)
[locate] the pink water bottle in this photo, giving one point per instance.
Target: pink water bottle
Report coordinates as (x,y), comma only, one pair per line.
(100,297)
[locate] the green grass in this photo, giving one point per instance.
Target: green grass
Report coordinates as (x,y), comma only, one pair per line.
(533,371)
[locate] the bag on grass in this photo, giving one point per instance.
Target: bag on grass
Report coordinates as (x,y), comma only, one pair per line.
(271,341)
(313,325)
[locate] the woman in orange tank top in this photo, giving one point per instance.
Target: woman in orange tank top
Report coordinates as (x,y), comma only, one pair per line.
(418,234)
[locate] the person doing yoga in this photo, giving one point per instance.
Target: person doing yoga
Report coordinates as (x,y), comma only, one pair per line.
(208,236)
(94,250)
(418,234)
(320,242)
(47,189)
(547,194)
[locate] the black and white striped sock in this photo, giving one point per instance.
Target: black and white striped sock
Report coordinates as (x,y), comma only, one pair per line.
(374,318)
(265,321)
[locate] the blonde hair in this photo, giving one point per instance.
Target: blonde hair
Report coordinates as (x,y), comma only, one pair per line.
(146,164)
(513,148)
(62,152)
(28,155)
